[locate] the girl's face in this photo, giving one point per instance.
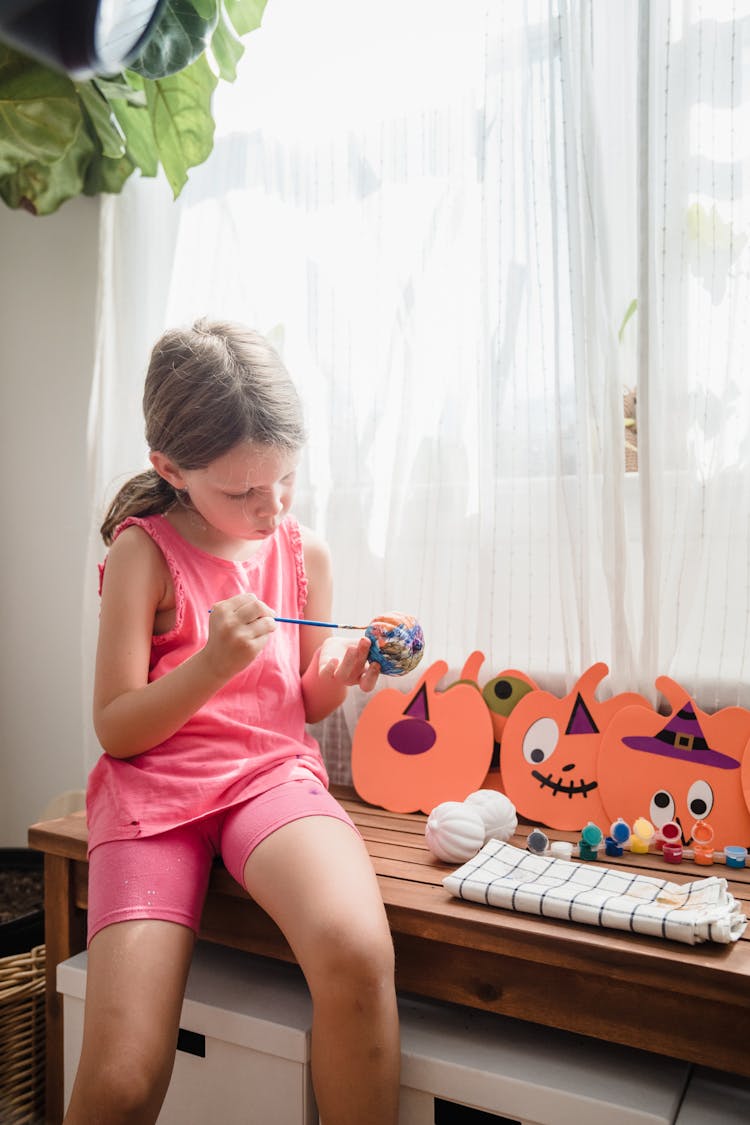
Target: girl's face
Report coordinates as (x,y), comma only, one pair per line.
(244,494)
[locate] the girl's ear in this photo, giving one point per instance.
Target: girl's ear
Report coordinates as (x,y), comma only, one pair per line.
(167,469)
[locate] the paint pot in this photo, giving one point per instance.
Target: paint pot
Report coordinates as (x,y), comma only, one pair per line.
(672,853)
(561,849)
(702,834)
(536,842)
(620,831)
(734,855)
(611,847)
(669,833)
(590,842)
(703,838)
(642,836)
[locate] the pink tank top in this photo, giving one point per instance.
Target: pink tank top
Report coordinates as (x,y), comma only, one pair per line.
(251,734)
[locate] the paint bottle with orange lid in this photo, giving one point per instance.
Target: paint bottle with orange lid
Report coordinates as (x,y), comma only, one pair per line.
(703,838)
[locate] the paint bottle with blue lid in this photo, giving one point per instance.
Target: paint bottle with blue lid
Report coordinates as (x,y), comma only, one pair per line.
(619,835)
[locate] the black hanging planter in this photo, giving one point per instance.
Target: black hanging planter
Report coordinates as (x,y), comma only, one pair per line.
(21,900)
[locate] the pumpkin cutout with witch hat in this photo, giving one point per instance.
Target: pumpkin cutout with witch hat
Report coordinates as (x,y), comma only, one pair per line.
(550,749)
(685,767)
(412,751)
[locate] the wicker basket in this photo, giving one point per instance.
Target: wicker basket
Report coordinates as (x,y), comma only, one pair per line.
(22,1043)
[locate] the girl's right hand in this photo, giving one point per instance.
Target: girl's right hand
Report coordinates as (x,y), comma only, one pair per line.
(238,630)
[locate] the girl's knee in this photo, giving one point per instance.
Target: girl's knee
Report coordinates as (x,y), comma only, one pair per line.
(353,961)
(124,1086)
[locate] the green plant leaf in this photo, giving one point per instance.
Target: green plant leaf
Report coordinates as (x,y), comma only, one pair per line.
(58,138)
(181,35)
(180,109)
(207,9)
(134,118)
(629,312)
(41,186)
(108,166)
(140,145)
(100,115)
(127,88)
(103,174)
(40,114)
(226,49)
(245,15)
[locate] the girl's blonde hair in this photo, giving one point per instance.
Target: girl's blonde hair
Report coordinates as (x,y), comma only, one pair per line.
(207,388)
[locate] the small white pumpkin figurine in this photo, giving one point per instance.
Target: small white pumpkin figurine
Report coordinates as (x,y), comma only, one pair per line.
(454,831)
(497,812)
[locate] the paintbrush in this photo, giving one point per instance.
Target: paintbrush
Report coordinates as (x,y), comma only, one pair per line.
(320,624)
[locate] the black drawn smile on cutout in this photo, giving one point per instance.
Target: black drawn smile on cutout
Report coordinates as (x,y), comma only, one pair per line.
(568,790)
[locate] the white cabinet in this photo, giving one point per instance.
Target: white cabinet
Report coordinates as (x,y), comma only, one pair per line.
(714,1098)
(245,1059)
(244,1039)
(464,1067)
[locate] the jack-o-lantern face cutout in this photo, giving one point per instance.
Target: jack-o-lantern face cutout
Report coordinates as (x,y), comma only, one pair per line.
(411,752)
(549,751)
(684,767)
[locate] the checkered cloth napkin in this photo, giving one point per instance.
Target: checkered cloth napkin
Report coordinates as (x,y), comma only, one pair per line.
(507,877)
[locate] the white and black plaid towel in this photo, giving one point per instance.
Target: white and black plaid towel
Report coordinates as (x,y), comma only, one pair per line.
(507,877)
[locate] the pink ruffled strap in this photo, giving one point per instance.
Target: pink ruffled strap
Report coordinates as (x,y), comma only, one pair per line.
(295,538)
(153,527)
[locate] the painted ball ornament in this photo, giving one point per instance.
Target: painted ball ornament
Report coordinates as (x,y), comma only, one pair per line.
(396,643)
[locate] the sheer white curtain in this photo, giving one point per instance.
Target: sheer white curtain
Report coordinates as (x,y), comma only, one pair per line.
(433,212)
(695,340)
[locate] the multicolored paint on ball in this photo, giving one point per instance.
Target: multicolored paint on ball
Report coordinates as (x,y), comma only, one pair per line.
(396,643)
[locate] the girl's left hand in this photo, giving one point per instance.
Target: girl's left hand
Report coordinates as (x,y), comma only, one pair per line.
(347,664)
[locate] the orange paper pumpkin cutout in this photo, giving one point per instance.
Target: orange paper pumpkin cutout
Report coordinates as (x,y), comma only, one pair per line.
(684,767)
(550,746)
(411,752)
(501,694)
(746,775)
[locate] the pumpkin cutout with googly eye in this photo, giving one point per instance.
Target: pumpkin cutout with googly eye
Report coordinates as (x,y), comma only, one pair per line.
(411,751)
(685,767)
(550,748)
(501,694)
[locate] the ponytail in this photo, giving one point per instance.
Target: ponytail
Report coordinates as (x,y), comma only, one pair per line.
(146,494)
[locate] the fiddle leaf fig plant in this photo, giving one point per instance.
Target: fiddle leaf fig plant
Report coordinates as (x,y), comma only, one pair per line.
(60,138)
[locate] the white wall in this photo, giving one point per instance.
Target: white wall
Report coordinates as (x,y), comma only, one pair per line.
(47,306)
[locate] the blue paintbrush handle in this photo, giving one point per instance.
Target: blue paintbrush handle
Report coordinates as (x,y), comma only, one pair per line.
(321,624)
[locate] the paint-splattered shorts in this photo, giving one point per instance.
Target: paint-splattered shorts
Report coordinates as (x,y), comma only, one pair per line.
(165,876)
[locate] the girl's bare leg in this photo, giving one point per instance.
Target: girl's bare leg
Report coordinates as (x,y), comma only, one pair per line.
(135,983)
(315,878)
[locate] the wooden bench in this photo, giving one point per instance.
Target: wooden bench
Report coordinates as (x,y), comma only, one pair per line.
(689,1002)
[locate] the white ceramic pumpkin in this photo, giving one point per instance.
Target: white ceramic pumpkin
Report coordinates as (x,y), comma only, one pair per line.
(497,811)
(454,831)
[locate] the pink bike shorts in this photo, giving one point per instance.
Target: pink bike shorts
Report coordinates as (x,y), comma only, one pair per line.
(165,876)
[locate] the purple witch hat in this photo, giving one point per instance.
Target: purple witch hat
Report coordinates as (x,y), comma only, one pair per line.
(682,738)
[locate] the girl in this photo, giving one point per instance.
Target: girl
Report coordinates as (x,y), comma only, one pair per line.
(200,704)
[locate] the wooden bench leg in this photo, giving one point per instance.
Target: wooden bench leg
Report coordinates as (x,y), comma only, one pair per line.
(64,935)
